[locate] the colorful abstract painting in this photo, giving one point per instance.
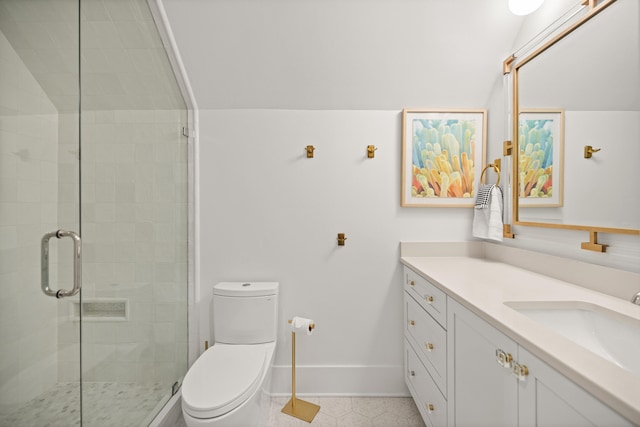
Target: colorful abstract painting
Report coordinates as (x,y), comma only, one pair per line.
(443,152)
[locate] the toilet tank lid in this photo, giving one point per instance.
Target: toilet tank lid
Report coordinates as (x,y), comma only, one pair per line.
(241,289)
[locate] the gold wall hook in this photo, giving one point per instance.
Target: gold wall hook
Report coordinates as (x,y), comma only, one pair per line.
(341,239)
(589,150)
(309,149)
(371,151)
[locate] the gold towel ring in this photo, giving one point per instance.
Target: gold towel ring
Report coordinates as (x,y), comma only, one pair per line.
(495,168)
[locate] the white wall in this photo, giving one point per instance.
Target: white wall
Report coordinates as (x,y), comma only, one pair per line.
(269,213)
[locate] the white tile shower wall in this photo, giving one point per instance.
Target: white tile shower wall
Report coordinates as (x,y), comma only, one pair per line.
(134,227)
(28,194)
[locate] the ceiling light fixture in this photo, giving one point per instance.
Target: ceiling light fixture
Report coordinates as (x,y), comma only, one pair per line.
(524,7)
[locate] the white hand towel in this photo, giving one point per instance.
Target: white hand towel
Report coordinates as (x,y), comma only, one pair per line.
(300,324)
(487,214)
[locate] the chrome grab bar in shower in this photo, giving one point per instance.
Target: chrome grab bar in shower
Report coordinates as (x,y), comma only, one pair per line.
(77,264)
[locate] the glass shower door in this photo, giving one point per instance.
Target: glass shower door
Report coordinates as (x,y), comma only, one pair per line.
(133,215)
(39,195)
(113,172)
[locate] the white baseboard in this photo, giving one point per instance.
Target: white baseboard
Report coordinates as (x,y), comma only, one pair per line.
(340,380)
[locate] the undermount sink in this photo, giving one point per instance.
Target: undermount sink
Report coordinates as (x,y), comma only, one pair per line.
(609,334)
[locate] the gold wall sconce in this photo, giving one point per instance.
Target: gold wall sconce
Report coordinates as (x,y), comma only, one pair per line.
(371,151)
(309,149)
(341,239)
(589,150)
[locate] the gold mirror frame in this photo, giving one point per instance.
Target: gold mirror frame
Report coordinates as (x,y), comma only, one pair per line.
(512,65)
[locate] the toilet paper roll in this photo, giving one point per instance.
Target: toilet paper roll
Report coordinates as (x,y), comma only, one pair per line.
(301,324)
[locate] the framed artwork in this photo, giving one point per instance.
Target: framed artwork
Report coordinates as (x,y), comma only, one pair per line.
(540,158)
(443,153)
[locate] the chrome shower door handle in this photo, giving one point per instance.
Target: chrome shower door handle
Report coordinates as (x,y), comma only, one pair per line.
(77,264)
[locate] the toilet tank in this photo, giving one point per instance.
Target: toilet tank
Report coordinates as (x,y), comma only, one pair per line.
(245,312)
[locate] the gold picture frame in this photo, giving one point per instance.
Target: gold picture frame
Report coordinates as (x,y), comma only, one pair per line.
(443,153)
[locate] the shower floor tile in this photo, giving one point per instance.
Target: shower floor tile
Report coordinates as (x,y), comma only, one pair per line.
(105,404)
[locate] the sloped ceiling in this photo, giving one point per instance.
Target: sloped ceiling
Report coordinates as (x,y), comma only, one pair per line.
(343,54)
(123,62)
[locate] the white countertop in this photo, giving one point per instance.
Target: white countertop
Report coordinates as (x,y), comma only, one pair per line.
(483,286)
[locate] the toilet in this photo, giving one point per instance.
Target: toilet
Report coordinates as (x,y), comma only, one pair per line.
(229,384)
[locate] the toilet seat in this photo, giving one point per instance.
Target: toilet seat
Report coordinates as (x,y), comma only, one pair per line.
(222,379)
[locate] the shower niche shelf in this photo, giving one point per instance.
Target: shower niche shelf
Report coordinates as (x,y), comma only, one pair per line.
(100,310)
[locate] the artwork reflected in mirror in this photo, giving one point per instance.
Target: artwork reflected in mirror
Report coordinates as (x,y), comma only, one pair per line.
(581,91)
(540,158)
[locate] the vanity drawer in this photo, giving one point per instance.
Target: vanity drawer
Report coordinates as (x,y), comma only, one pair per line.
(428,296)
(429,339)
(430,402)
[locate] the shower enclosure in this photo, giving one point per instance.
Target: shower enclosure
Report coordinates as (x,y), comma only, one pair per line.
(93,195)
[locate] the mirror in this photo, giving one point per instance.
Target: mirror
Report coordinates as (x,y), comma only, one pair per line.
(581,89)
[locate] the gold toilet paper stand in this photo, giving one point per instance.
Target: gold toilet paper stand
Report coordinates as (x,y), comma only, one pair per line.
(298,408)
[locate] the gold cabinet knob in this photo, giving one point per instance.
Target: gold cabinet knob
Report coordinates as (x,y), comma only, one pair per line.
(430,407)
(412,373)
(429,298)
(503,358)
(520,371)
(429,346)
(412,283)
(412,322)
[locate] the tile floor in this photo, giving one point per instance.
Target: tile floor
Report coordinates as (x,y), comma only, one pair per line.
(60,406)
(349,412)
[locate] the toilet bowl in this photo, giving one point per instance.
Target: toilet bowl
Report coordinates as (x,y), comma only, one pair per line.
(229,384)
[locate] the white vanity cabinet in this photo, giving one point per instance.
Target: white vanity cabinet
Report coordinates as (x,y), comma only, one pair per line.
(495,382)
(474,375)
(425,346)
(482,392)
(547,398)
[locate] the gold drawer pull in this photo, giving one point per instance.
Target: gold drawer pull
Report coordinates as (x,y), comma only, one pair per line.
(412,283)
(429,298)
(430,407)
(412,322)
(429,346)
